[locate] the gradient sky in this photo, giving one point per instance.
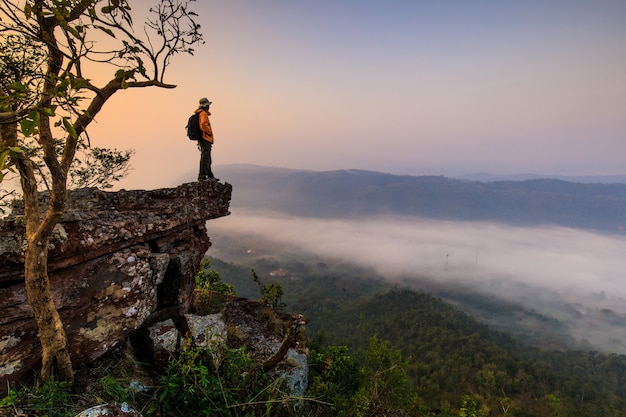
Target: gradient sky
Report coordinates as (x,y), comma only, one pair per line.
(409,87)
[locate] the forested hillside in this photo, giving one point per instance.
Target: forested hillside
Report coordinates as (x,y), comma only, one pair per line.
(449,355)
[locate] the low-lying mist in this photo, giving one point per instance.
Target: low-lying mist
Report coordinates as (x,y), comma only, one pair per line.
(575,276)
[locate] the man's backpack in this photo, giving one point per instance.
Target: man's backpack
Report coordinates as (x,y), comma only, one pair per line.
(193,127)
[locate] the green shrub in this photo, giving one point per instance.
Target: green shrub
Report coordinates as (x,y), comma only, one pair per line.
(193,385)
(272,293)
(334,379)
(210,291)
(51,399)
(209,279)
(372,382)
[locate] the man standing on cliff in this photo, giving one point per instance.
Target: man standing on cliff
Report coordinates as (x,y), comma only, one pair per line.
(206,143)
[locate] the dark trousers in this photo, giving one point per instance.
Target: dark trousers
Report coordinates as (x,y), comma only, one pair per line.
(205,159)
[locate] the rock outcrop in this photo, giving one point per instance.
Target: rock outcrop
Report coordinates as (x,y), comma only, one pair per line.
(267,335)
(117,258)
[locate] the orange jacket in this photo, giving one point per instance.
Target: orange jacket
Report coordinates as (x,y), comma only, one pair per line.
(205,125)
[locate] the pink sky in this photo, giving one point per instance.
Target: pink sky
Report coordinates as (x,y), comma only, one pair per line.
(408,87)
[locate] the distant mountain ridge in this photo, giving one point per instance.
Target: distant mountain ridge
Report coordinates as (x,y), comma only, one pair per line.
(586,179)
(359,193)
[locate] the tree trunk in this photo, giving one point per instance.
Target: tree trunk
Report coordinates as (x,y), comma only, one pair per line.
(54,352)
(55,355)
(56,361)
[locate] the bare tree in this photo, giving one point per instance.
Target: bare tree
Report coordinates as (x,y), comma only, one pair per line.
(55,104)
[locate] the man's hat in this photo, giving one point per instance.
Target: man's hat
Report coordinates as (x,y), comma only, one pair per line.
(204,102)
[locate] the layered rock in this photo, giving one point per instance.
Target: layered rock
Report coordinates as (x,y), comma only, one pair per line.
(116,259)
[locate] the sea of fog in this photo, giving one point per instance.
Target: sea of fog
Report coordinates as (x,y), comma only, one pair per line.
(575,276)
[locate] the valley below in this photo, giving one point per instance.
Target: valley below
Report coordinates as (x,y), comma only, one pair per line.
(536,296)
(549,284)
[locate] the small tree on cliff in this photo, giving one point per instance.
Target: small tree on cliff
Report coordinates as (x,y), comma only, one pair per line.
(58,103)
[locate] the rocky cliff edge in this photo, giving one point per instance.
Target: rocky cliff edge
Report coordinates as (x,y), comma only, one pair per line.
(116,259)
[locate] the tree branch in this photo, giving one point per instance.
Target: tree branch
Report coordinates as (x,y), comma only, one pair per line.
(79,9)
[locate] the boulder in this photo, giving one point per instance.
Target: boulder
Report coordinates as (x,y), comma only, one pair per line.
(207,332)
